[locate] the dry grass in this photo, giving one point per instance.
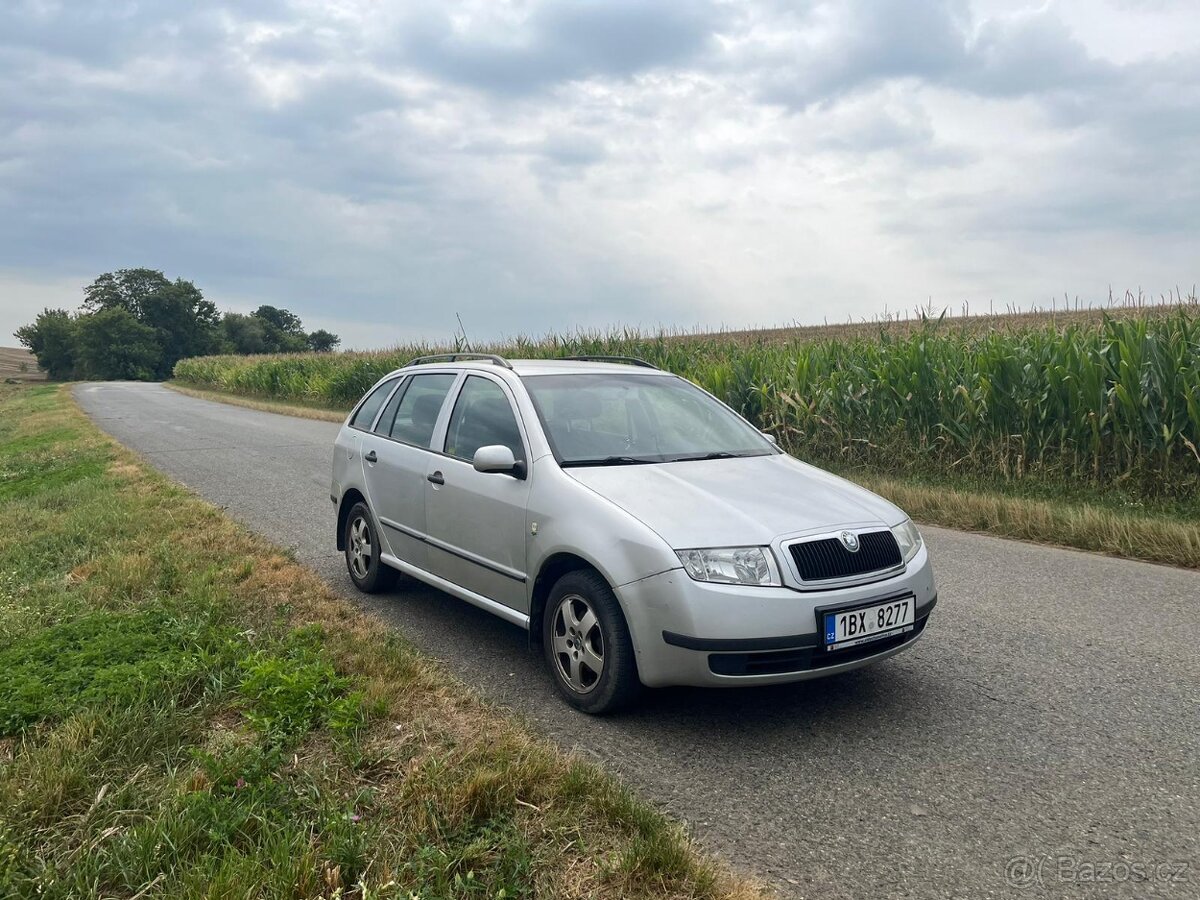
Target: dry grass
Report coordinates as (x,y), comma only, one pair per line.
(1081,526)
(19,364)
(319,413)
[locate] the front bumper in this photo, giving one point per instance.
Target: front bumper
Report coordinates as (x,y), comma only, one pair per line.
(688,632)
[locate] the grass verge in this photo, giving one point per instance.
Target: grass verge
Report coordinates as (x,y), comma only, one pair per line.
(185,712)
(1163,536)
(1111,521)
(303,411)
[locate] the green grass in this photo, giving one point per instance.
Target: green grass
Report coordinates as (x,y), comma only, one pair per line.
(185,712)
(104,659)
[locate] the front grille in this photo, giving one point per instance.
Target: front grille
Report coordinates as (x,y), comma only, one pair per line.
(827,558)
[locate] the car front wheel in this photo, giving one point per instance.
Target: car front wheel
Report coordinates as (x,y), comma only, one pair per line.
(587,645)
(368,572)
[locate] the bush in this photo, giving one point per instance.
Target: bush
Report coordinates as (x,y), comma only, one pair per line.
(112,344)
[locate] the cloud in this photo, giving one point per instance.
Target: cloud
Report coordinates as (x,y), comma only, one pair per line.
(502,52)
(1031,53)
(840,48)
(853,47)
(544,165)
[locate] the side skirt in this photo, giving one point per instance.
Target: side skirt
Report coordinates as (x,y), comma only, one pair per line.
(484,603)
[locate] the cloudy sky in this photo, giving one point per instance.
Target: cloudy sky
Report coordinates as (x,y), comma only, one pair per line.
(534,166)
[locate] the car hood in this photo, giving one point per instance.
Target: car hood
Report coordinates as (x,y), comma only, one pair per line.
(736,502)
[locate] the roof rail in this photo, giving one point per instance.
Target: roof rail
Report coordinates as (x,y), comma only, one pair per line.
(628,360)
(455,357)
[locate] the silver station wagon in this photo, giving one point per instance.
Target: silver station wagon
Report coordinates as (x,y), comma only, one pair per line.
(643,532)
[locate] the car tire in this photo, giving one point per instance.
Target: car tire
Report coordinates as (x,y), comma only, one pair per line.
(584,630)
(367,570)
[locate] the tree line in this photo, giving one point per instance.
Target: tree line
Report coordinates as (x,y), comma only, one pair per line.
(137,323)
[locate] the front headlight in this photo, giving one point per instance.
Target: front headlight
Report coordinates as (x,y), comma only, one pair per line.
(731,565)
(908,538)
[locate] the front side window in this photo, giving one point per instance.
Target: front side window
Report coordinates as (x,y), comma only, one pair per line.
(482,417)
(417,412)
(365,413)
(617,419)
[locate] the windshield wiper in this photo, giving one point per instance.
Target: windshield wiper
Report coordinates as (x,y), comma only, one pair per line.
(608,461)
(716,454)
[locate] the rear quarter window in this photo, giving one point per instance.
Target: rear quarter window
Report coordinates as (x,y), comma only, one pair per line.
(367,410)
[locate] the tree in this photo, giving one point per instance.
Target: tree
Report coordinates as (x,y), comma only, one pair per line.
(113,344)
(283,331)
(286,321)
(283,320)
(186,324)
(126,288)
(243,334)
(51,338)
(136,323)
(323,341)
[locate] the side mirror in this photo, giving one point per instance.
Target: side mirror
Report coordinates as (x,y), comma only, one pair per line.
(498,458)
(770,437)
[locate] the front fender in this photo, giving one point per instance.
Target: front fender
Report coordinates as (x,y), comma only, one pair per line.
(565,516)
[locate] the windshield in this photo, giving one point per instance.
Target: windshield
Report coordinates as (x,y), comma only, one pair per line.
(617,419)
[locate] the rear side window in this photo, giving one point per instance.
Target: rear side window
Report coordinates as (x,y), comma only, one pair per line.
(482,417)
(419,407)
(365,414)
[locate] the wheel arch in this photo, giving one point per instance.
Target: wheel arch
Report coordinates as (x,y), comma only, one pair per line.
(352,496)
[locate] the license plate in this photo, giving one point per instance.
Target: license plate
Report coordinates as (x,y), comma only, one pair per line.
(851,627)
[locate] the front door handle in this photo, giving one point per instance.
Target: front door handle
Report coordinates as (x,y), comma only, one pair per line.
(371,457)
(436,478)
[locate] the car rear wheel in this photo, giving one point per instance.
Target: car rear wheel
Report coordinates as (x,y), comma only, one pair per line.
(587,645)
(368,572)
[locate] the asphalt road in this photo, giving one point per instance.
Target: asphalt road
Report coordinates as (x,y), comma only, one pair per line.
(1050,714)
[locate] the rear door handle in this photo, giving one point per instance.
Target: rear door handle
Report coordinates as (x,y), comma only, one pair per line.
(371,457)
(436,478)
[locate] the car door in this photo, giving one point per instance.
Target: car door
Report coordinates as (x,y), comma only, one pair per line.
(396,454)
(476,521)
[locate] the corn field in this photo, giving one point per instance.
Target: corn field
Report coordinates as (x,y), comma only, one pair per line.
(1114,400)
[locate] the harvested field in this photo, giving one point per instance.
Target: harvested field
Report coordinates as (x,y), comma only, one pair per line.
(19,364)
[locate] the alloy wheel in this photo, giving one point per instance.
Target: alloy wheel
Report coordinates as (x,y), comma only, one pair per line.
(578,644)
(360,547)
